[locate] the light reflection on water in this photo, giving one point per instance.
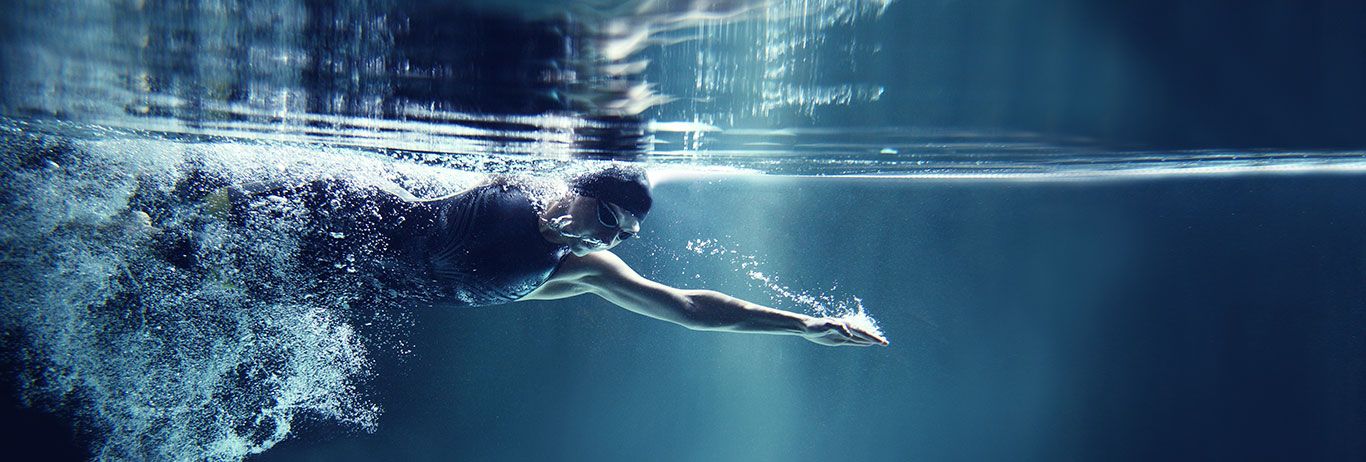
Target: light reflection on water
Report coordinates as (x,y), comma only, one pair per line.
(465,142)
(718,84)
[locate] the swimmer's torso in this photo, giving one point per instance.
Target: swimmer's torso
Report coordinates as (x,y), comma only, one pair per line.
(481,247)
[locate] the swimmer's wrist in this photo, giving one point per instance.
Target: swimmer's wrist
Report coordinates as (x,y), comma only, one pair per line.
(811,325)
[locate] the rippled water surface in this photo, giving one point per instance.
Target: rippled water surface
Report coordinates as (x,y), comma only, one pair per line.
(808,87)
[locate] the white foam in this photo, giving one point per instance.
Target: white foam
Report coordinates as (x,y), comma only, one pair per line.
(217,361)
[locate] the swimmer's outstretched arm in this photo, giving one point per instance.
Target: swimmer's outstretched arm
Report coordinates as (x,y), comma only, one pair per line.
(606,275)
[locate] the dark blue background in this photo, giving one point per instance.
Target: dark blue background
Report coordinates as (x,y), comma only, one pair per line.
(1163,74)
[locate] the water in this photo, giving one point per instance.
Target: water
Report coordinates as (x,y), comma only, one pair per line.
(1090,232)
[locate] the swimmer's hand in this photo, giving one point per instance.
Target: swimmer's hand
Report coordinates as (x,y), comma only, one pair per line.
(838,332)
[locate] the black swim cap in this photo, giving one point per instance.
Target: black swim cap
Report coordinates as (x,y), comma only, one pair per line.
(623,185)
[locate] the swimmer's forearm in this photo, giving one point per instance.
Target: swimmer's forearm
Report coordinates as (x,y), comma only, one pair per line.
(715,311)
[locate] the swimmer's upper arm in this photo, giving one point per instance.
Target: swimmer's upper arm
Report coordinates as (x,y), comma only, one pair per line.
(606,275)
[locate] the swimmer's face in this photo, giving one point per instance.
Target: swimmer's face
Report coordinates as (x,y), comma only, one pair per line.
(598,225)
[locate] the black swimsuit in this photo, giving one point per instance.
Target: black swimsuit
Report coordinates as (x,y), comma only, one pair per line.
(481,247)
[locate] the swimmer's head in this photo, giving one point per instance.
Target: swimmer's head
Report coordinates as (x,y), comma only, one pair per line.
(605,209)
(622,185)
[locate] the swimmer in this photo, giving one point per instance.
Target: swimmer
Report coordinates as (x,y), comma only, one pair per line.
(494,244)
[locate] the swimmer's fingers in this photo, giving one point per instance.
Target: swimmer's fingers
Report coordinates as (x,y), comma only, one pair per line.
(837,332)
(848,336)
(858,336)
(870,336)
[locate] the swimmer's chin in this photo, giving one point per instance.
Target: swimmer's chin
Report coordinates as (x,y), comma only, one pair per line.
(582,248)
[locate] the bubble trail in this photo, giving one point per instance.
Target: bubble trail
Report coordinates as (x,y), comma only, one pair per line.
(827,303)
(169,326)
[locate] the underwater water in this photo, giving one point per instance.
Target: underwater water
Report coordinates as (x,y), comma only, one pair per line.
(1089,231)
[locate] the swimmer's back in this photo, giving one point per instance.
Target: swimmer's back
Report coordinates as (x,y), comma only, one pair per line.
(477,248)
(481,247)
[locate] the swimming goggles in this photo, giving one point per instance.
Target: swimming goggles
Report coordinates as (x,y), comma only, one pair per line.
(608,218)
